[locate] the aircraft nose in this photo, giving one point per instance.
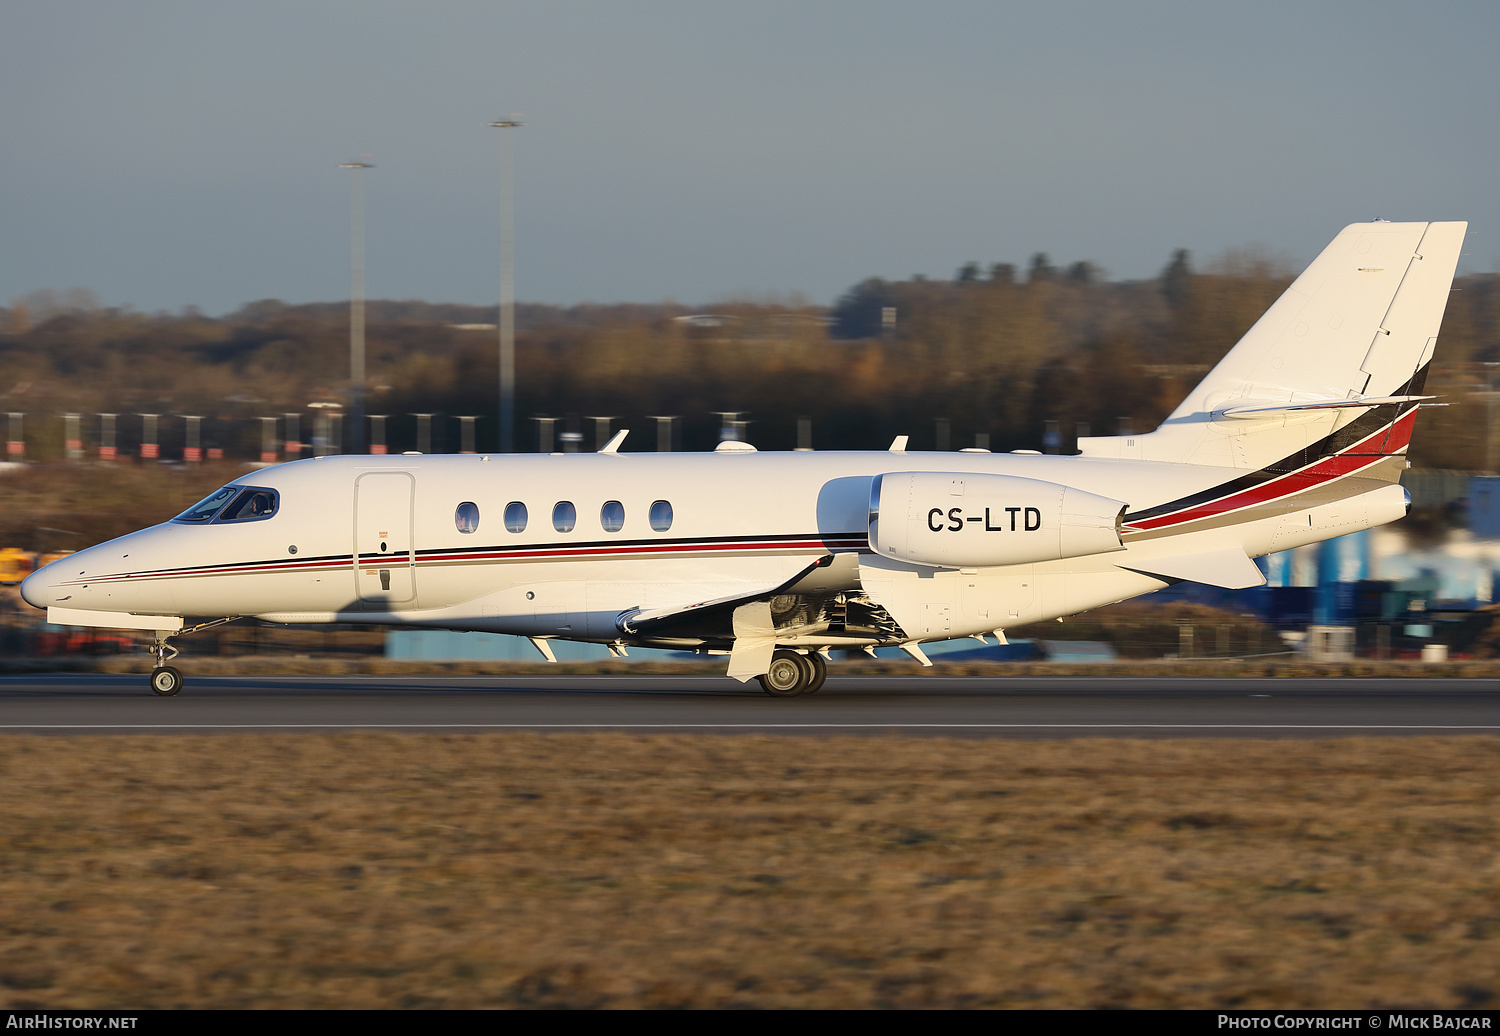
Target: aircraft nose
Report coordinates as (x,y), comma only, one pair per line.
(38,588)
(44,586)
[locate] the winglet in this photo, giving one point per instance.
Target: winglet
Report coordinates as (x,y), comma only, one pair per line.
(613,446)
(898,444)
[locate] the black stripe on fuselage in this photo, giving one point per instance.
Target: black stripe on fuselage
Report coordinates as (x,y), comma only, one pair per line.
(833,542)
(840,540)
(1328,446)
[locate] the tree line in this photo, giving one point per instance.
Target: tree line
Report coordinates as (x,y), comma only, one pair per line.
(995,356)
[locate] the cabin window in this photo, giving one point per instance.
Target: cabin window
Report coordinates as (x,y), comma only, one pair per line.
(612,516)
(661,516)
(515,516)
(564,516)
(252,505)
(466,516)
(205,509)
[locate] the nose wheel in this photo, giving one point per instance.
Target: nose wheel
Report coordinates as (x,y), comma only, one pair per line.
(166,681)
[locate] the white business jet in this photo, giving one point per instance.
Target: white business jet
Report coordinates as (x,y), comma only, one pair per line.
(1297,435)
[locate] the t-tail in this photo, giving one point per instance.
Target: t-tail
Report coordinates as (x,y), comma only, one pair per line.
(1331,376)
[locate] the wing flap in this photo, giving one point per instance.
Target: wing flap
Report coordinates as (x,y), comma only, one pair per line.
(754,640)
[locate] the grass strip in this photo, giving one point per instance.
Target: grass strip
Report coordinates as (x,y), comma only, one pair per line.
(613,870)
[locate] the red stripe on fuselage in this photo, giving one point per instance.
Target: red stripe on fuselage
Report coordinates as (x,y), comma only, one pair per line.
(540,553)
(1319,472)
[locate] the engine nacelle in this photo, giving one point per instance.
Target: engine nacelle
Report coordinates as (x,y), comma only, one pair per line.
(963,520)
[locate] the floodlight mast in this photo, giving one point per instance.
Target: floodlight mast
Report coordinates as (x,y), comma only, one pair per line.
(357,305)
(507,292)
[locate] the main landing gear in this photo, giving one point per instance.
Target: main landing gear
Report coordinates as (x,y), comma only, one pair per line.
(792,674)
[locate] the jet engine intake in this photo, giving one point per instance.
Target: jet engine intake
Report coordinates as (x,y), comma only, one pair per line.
(962,520)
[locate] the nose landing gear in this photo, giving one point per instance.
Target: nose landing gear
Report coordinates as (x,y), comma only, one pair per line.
(166,680)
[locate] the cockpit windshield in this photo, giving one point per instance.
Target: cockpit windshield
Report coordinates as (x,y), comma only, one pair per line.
(206,508)
(233,504)
(250,505)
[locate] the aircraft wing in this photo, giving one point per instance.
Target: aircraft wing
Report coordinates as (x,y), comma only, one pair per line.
(712,617)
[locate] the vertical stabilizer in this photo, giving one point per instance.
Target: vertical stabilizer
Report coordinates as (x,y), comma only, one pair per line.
(1359,323)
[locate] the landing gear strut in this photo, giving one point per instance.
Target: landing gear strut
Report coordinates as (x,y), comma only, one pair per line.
(166,680)
(792,674)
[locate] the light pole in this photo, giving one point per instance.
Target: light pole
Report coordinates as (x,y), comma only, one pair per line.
(664,427)
(267,440)
(192,451)
(107,450)
(15,446)
(601,430)
(149,448)
(1489,419)
(377,434)
(325,441)
(544,428)
(357,304)
(466,433)
(507,293)
(731,428)
(293,436)
(72,437)
(424,433)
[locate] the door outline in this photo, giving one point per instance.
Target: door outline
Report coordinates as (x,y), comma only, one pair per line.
(387,575)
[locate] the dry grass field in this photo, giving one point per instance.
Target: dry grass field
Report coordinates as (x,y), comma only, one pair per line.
(373,870)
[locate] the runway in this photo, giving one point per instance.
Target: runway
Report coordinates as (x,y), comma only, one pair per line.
(1021,707)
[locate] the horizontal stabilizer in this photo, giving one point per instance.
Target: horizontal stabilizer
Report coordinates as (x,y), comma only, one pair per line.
(1261,410)
(1230,568)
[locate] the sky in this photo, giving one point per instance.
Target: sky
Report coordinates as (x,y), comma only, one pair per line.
(167,154)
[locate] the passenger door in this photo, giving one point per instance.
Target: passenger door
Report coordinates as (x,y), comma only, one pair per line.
(384,555)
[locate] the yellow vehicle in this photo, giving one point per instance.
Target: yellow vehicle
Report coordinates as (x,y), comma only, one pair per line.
(15,565)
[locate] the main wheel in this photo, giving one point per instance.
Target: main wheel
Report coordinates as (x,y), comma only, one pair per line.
(166,681)
(787,677)
(819,669)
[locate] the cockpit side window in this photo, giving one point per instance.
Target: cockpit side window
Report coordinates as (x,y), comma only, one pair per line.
(251,505)
(205,509)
